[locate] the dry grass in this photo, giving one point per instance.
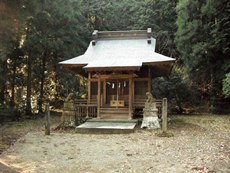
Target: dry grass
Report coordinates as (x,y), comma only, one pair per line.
(11,131)
(200,144)
(201,122)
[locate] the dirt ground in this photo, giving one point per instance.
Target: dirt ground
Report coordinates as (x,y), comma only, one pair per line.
(199,144)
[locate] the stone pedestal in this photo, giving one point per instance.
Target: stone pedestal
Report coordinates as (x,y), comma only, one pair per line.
(150,118)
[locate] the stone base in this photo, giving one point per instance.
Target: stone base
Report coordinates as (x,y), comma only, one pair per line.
(150,123)
(68,118)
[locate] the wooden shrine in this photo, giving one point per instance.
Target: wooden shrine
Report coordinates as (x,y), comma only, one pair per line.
(119,67)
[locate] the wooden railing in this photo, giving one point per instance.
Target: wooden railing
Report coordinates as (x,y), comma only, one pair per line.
(80,108)
(85,109)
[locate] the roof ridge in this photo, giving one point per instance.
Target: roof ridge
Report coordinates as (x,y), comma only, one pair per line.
(124,34)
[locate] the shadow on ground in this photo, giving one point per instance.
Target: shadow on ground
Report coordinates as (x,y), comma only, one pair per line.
(7,169)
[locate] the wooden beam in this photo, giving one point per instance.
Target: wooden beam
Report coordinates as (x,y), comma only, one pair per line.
(133,68)
(169,62)
(117,76)
(141,79)
(122,34)
(98,97)
(93,79)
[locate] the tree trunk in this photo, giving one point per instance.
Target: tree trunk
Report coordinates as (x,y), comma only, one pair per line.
(3,82)
(47,119)
(178,102)
(12,103)
(55,67)
(28,93)
(40,101)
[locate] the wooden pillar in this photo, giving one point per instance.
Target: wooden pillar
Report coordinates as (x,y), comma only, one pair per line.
(104,91)
(150,85)
(89,94)
(149,81)
(130,97)
(164,114)
(89,87)
(133,90)
(98,97)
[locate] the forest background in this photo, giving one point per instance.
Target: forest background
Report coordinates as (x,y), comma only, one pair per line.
(36,35)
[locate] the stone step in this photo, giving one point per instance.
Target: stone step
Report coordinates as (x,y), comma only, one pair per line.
(108,127)
(115,120)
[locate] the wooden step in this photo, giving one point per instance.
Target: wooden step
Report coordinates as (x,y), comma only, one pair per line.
(116,117)
(114,113)
(114,109)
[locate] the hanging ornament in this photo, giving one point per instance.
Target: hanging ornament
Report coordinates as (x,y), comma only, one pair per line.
(119,85)
(124,83)
(112,85)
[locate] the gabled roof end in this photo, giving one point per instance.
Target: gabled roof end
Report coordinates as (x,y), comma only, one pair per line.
(149,32)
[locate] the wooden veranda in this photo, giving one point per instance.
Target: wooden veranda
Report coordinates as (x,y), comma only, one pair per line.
(84,109)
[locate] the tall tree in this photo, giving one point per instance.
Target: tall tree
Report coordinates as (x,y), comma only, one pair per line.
(203,41)
(50,40)
(160,15)
(13,15)
(111,15)
(7,34)
(226,85)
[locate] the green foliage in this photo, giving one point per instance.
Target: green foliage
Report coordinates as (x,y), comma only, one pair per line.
(111,15)
(203,41)
(226,85)
(49,32)
(175,88)
(48,46)
(160,15)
